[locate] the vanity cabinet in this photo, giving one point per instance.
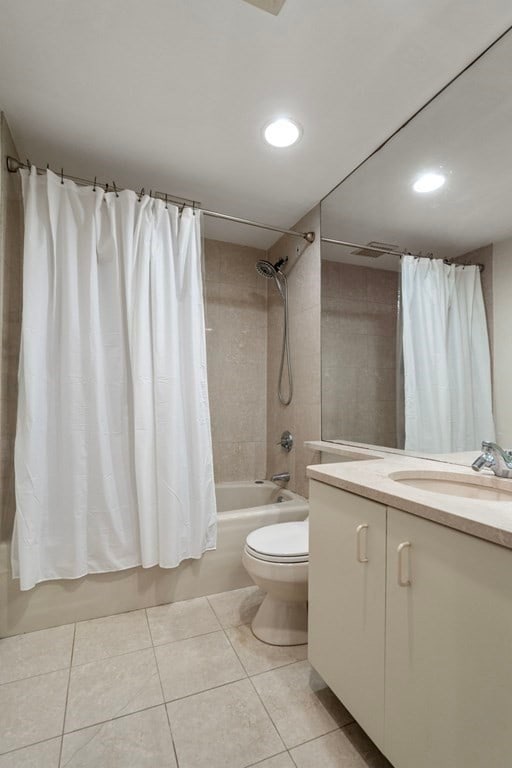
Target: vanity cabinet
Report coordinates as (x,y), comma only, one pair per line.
(418,646)
(347,581)
(448,700)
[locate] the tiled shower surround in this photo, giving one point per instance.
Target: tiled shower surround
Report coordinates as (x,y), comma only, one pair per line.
(359,327)
(302,417)
(244,318)
(236,342)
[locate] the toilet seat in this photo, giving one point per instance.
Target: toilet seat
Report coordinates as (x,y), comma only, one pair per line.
(280,543)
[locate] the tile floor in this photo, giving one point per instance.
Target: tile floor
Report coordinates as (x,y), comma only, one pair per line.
(183,685)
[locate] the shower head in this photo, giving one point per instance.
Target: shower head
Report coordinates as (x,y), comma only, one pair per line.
(269,270)
(273,272)
(266,269)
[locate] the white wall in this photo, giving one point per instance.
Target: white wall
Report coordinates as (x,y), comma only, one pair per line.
(502,292)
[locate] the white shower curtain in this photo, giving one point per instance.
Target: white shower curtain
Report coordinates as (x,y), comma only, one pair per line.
(113,453)
(447,367)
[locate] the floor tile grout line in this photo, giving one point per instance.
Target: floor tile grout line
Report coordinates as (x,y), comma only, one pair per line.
(31,677)
(260,699)
(32,744)
(314,738)
(188,696)
(113,656)
(264,671)
(220,628)
(67,695)
(336,728)
(111,719)
(191,637)
(205,690)
(162,689)
(274,669)
(260,762)
(229,591)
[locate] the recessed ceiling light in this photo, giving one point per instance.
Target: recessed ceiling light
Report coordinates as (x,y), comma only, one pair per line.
(282,133)
(429,182)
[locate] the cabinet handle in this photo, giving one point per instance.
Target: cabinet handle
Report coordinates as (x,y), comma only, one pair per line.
(361,556)
(401,581)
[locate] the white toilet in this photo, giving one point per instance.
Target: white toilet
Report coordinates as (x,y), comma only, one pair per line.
(276,557)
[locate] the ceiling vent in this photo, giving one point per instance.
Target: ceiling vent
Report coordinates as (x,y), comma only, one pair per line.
(386,247)
(271,6)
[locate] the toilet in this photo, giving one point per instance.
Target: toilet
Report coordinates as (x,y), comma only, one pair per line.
(276,557)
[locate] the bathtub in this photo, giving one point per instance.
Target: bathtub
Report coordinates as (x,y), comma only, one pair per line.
(242,507)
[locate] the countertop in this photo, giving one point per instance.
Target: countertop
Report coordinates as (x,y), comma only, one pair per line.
(369,477)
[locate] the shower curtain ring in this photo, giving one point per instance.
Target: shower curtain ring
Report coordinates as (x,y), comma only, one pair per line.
(94,185)
(140,194)
(115,188)
(62,175)
(106,187)
(166,201)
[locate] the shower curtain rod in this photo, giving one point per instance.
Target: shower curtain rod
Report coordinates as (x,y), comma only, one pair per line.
(14,165)
(376,249)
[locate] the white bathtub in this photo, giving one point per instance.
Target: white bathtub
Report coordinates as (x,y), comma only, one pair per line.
(242,507)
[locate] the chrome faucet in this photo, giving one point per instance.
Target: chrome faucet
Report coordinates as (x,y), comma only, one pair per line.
(281,477)
(496,458)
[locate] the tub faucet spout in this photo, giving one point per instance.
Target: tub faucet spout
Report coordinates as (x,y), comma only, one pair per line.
(281,477)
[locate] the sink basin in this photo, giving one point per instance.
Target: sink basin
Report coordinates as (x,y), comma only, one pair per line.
(481,488)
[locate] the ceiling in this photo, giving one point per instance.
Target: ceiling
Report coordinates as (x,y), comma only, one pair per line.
(173,94)
(465,134)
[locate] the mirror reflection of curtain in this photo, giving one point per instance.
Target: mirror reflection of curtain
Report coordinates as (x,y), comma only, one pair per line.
(113,453)
(447,365)
(399,374)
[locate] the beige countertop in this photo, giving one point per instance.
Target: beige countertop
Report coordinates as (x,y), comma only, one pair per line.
(490,520)
(349,451)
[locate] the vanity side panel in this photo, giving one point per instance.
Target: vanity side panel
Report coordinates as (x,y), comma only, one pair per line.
(448,649)
(347,601)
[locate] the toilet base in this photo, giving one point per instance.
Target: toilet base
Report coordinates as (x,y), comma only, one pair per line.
(280,622)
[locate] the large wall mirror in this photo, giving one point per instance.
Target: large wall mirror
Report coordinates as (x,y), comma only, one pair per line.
(417,350)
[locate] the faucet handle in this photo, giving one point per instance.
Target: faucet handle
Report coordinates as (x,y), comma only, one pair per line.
(286,441)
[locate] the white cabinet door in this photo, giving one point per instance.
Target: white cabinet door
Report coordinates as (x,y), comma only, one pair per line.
(448,648)
(347,550)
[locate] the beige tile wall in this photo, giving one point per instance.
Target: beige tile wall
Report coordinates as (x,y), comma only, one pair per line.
(236,316)
(359,317)
(10,322)
(302,416)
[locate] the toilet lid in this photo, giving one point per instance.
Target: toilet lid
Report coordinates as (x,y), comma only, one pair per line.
(284,540)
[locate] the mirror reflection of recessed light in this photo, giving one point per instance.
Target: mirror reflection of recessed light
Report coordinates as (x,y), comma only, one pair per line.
(429,182)
(282,132)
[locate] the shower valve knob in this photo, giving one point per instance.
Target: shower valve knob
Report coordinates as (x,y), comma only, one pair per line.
(286,441)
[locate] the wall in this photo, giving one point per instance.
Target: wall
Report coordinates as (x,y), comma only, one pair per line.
(359,323)
(302,417)
(236,316)
(502,363)
(10,322)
